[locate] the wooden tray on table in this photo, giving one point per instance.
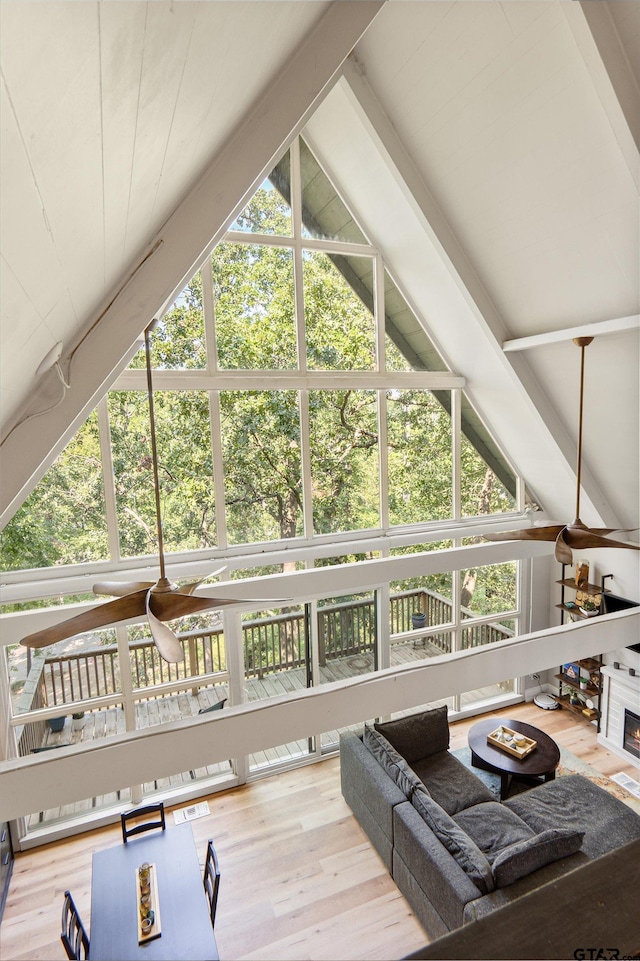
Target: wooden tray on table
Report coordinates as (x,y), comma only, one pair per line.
(504,739)
(151,889)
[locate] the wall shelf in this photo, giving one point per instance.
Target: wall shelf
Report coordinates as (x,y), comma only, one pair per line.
(589,665)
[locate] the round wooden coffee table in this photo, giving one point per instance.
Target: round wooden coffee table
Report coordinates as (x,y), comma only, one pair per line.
(540,764)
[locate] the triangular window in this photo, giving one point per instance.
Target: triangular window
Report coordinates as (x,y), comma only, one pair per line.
(300,396)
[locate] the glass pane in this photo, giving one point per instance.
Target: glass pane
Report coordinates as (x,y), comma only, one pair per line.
(261,451)
(254,307)
(344,460)
(275,663)
(420,463)
(488,484)
(418,604)
(324,215)
(203,642)
(346,636)
(489,590)
(185,469)
(340,328)
(481,490)
(345,559)
(178,342)
(269,211)
(407,343)
(63,520)
(482,695)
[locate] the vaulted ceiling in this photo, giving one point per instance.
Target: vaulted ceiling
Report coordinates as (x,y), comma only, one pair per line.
(490,149)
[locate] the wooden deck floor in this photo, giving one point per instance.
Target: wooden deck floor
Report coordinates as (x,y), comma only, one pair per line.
(111,721)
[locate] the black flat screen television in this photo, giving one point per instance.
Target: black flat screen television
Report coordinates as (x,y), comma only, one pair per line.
(613,603)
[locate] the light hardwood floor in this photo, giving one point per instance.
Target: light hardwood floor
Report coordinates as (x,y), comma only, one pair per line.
(299,877)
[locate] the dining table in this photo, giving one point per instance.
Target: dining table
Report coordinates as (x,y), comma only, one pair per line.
(185,923)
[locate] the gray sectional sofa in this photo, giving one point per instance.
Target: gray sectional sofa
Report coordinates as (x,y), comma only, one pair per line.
(455,852)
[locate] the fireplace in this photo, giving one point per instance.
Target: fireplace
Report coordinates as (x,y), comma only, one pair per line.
(631,742)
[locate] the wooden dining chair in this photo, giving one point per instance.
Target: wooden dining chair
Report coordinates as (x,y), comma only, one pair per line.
(211,880)
(73,936)
(147,818)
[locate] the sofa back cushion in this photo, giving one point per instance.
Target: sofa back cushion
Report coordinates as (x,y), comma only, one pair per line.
(417,735)
(450,783)
(494,827)
(392,762)
(525,857)
(457,842)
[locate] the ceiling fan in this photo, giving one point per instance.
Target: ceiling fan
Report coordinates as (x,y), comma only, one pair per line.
(576,535)
(160,600)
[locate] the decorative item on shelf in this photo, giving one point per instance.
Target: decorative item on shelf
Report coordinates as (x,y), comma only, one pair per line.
(575,699)
(584,681)
(582,574)
(571,670)
(594,680)
(589,608)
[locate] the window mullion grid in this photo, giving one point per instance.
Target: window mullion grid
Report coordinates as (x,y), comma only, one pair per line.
(298,284)
(209,309)
(379,313)
(108,479)
(456,452)
(383,459)
(383,453)
(305,457)
(456,422)
(218,468)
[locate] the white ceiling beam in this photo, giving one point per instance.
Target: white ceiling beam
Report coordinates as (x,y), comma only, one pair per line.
(91,364)
(598,329)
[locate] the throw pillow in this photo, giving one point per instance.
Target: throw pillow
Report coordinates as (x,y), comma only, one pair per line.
(418,735)
(527,856)
(457,842)
(493,827)
(392,762)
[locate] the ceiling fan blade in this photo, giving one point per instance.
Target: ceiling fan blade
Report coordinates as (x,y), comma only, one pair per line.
(547,533)
(168,645)
(585,539)
(563,551)
(120,609)
(121,588)
(190,588)
(171,604)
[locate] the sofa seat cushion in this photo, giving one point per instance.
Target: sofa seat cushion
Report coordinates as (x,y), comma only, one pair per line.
(524,857)
(417,735)
(493,827)
(392,762)
(457,842)
(450,783)
(575,802)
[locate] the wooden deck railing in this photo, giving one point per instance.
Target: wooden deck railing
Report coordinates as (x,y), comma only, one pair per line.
(271,644)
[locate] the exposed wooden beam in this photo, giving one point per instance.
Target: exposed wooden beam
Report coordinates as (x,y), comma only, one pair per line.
(175,251)
(597,329)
